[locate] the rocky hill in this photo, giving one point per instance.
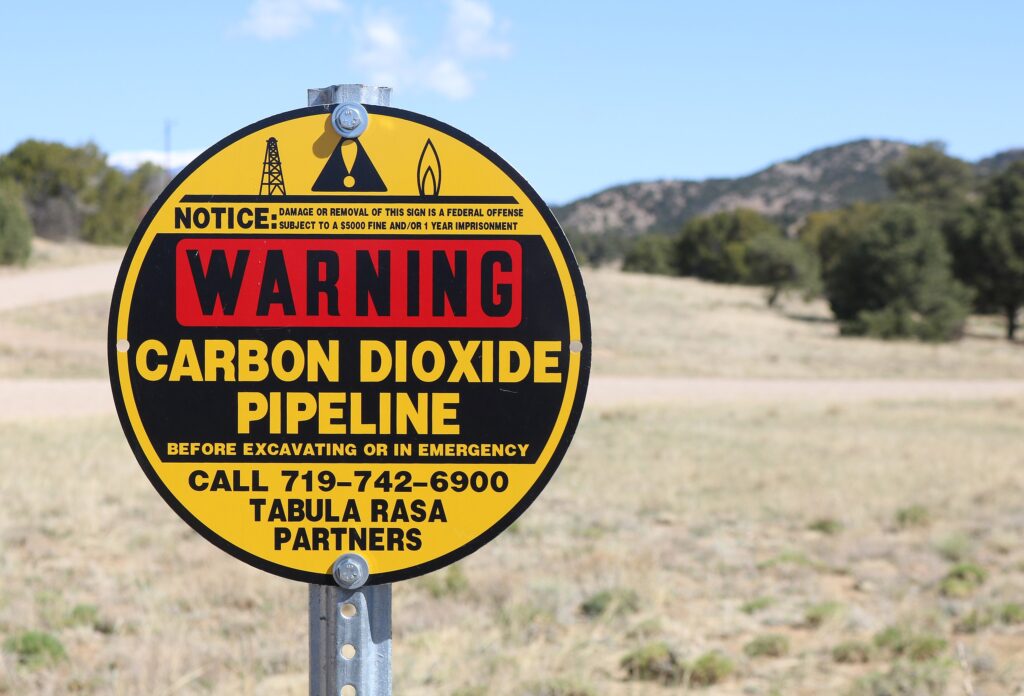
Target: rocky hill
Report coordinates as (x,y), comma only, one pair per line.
(998,161)
(823,179)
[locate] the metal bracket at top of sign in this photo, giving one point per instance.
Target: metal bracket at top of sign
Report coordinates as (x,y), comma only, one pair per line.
(349,118)
(357,94)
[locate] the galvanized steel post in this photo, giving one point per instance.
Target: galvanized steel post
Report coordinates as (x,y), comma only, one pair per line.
(349,623)
(349,641)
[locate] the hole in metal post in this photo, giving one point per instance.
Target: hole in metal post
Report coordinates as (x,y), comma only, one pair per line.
(348,610)
(576,346)
(348,651)
(122,345)
(348,690)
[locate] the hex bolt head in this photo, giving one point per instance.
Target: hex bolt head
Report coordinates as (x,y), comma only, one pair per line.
(351,571)
(348,573)
(349,119)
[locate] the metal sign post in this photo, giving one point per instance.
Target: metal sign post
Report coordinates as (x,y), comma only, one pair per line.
(349,624)
(350,634)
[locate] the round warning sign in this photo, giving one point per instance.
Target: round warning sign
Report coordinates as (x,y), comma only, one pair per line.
(323,345)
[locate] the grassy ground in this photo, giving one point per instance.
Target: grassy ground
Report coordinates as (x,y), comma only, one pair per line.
(728,522)
(817,547)
(47,254)
(57,339)
(655,325)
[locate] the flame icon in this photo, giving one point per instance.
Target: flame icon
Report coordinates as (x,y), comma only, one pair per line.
(428,171)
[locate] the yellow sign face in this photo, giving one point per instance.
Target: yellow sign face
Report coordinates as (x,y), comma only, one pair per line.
(322,345)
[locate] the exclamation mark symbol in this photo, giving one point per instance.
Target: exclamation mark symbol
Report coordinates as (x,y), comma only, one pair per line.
(349,150)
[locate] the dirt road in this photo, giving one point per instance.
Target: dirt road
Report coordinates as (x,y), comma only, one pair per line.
(612,391)
(22,399)
(52,284)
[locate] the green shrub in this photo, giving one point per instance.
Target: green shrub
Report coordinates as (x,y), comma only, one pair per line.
(976,620)
(89,615)
(757,604)
(826,525)
(596,248)
(654,662)
(615,601)
(954,548)
(962,580)
(987,241)
(35,648)
(645,629)
(818,614)
(15,227)
(925,647)
(657,662)
(893,638)
(709,669)
(771,645)
(650,253)
(59,184)
(1011,613)
(913,516)
(781,265)
(83,615)
(925,173)
(890,276)
(980,618)
(71,192)
(901,641)
(118,210)
(852,652)
(905,679)
(715,247)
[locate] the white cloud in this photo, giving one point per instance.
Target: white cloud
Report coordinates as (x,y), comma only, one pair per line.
(282,19)
(381,51)
(446,62)
(448,77)
(389,56)
(130,159)
(472,26)
(383,36)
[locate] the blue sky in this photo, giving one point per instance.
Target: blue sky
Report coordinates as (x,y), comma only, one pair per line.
(576,95)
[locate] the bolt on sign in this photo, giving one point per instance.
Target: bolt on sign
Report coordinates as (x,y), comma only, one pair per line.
(323,345)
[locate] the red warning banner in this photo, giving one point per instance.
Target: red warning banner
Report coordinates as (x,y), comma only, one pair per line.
(348,282)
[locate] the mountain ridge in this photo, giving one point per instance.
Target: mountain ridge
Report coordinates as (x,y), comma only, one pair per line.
(822,179)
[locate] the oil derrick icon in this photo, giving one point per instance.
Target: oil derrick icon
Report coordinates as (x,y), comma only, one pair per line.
(349,168)
(273,177)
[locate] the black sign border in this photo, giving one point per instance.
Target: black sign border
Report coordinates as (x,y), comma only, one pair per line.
(477,542)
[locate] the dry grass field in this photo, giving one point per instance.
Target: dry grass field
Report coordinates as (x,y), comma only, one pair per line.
(812,546)
(655,325)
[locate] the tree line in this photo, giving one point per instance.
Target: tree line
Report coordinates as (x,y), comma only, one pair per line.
(914,266)
(947,242)
(59,192)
